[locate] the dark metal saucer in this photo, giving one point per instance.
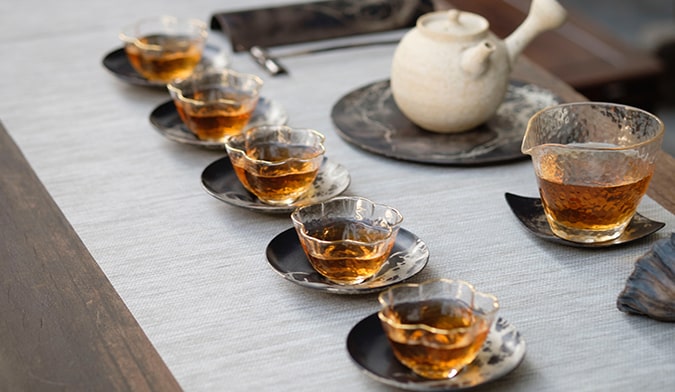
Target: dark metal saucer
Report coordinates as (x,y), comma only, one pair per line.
(165,119)
(220,181)
(531,214)
(369,118)
(286,256)
(118,64)
(369,348)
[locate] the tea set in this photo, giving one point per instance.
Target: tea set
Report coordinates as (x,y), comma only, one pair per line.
(450,73)
(450,86)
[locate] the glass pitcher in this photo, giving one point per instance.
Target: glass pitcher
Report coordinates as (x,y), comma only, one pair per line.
(593,162)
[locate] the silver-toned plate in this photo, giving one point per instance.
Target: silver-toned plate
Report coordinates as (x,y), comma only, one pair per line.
(530,213)
(286,256)
(165,119)
(369,348)
(220,181)
(369,118)
(118,64)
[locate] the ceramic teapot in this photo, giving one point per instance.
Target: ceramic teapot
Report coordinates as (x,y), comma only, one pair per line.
(450,73)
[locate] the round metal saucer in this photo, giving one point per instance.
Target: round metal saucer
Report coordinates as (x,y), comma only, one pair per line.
(286,256)
(118,64)
(369,118)
(165,119)
(220,181)
(370,350)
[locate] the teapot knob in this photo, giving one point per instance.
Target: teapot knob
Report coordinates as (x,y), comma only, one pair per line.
(453,16)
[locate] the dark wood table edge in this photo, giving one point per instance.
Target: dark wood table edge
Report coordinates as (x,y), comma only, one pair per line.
(62,324)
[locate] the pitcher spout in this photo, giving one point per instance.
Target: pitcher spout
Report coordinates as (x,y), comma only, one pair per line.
(543,15)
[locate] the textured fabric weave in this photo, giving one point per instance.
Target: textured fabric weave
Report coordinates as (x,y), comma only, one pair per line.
(193,270)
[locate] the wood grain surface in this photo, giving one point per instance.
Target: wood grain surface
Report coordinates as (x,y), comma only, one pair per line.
(62,325)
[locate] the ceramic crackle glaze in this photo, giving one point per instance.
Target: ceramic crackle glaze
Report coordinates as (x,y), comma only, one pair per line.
(650,289)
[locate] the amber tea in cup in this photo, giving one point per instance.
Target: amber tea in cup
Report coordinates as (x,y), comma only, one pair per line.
(165,48)
(437,327)
(347,239)
(216,104)
(593,162)
(277,163)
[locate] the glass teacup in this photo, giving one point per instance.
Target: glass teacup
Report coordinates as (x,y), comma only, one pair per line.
(437,327)
(216,104)
(347,239)
(165,48)
(277,163)
(593,163)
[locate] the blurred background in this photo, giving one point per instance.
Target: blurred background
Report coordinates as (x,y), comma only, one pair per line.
(648,25)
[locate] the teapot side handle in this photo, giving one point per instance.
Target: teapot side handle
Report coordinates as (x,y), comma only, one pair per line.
(544,15)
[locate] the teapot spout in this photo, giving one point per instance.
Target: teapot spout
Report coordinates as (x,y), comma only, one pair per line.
(475,60)
(544,15)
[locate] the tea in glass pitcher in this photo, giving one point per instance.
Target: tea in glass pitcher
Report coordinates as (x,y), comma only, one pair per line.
(593,163)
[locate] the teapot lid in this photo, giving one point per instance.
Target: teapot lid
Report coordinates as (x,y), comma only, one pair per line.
(453,24)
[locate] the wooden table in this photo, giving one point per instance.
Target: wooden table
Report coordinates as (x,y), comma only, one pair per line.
(582,54)
(63,325)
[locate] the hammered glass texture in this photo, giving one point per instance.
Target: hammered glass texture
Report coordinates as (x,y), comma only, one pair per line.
(594,122)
